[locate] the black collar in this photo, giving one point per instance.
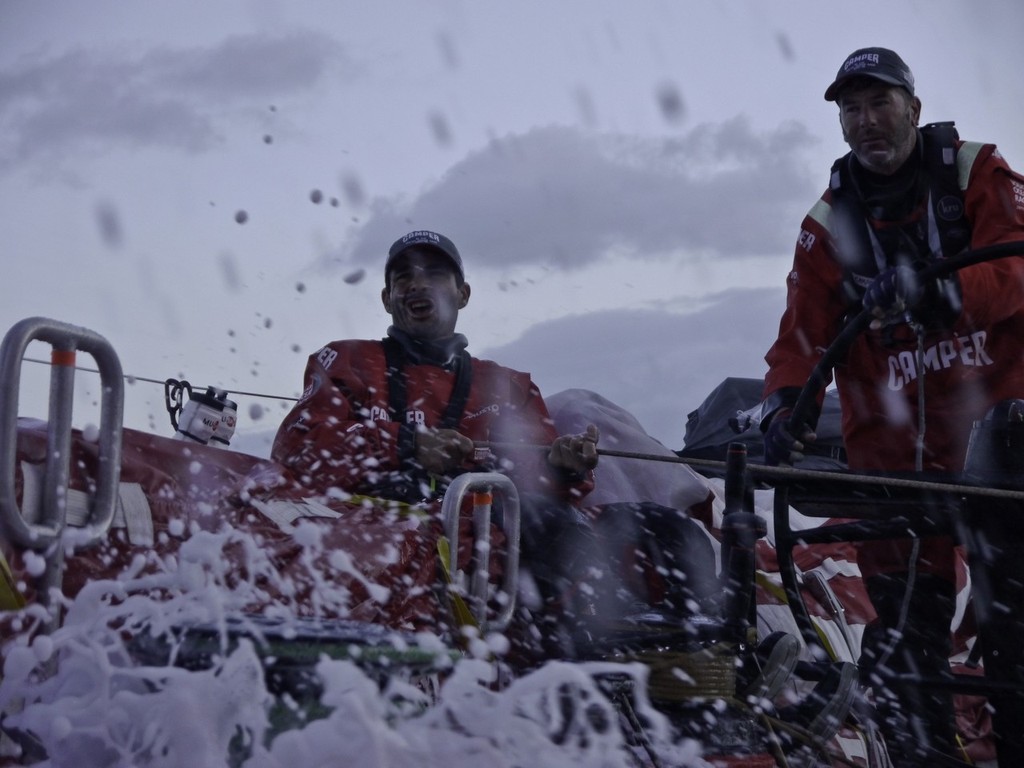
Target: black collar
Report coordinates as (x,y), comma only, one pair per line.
(443,353)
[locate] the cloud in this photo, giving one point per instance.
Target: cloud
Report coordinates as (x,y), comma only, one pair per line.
(657,365)
(565,197)
(245,67)
(171,98)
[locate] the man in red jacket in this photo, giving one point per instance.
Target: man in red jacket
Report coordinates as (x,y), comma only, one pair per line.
(902,198)
(400,417)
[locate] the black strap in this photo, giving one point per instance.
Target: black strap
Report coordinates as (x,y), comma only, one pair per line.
(395,357)
(856,252)
(940,147)
(460,392)
(397,397)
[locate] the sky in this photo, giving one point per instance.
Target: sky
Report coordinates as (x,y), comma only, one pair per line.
(212,186)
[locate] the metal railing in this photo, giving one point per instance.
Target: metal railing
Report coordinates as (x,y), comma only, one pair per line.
(44,534)
(483,485)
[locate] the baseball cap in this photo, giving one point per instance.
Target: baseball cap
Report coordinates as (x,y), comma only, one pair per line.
(426,238)
(879,63)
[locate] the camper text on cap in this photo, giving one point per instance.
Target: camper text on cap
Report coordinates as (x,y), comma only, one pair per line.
(879,63)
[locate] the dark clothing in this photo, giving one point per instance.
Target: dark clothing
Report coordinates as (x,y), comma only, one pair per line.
(910,640)
(968,367)
(972,327)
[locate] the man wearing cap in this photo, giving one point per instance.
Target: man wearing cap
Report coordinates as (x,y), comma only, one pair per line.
(400,417)
(902,198)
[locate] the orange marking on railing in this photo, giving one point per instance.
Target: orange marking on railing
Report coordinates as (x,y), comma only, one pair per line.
(63,357)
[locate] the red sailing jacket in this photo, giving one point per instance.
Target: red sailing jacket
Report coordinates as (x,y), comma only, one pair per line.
(968,368)
(340,435)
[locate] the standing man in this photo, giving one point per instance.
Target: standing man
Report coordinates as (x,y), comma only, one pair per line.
(901,199)
(398,418)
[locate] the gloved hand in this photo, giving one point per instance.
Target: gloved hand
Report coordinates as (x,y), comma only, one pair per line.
(439,451)
(780,447)
(575,453)
(894,291)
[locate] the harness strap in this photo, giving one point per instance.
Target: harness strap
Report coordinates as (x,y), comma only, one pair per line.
(947,204)
(463,615)
(398,398)
(396,359)
(863,253)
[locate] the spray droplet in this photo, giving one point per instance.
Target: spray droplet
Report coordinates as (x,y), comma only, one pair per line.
(316,196)
(355,277)
(352,188)
(110,224)
(230,273)
(785,46)
(447,50)
(440,129)
(241,217)
(300,287)
(670,101)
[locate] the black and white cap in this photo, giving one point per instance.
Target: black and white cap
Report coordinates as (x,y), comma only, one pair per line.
(879,63)
(426,238)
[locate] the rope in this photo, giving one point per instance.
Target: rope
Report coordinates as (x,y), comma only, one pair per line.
(132,378)
(678,676)
(793,473)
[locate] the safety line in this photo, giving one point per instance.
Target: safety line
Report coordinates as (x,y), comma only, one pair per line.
(133,378)
(793,473)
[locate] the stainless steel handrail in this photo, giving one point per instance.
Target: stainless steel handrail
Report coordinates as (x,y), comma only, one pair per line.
(488,482)
(65,340)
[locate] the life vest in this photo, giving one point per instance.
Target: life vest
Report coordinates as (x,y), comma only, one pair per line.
(936,227)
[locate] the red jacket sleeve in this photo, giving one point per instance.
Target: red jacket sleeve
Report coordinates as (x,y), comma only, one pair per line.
(994,201)
(814,311)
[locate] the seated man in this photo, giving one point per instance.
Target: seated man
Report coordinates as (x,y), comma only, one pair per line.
(399,418)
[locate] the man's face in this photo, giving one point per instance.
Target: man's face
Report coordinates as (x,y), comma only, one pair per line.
(424,296)
(879,123)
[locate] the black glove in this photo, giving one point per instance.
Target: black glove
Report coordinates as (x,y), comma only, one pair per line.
(894,291)
(780,447)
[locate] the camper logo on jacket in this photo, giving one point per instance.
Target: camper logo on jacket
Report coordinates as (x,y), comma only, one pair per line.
(968,350)
(412,416)
(326,356)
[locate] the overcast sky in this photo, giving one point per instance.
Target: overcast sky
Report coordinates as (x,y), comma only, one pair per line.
(212,185)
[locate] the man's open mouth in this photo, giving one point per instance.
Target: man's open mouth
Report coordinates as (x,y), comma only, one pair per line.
(420,307)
